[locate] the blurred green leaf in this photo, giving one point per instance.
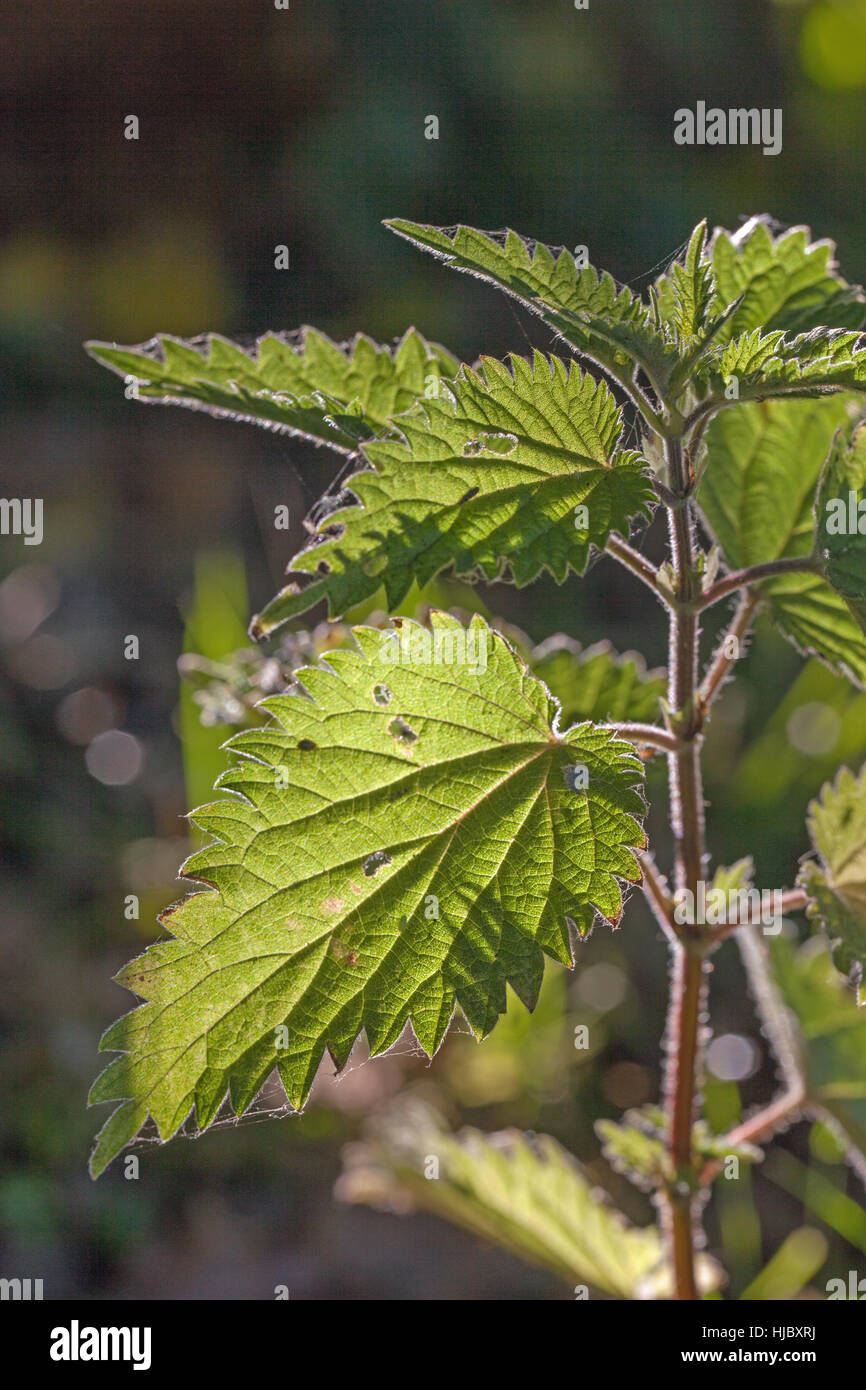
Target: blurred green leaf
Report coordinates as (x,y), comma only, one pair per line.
(794,1264)
(821,1197)
(522,1192)
(833,1032)
(215,625)
(595,683)
(836,882)
(637,1146)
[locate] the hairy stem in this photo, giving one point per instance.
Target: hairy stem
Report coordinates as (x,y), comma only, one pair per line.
(790,900)
(683,1042)
(723,660)
(646,735)
(634,561)
(742,579)
(658,896)
(687,818)
(760,1126)
(782,1033)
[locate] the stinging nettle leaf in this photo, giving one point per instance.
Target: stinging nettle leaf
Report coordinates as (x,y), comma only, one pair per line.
(840,519)
(637,1146)
(693,289)
(601,319)
(833,1033)
(759,480)
(776,364)
(817,621)
(527,269)
(490,473)
(301,383)
(761,472)
(786,282)
(836,880)
(597,684)
(691,311)
(524,1193)
(408,836)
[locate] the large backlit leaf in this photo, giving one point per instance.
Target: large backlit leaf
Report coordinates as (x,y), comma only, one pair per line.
(487,476)
(409,835)
(817,621)
(302,383)
(761,474)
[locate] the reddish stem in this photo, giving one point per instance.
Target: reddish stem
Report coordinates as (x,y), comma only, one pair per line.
(687,817)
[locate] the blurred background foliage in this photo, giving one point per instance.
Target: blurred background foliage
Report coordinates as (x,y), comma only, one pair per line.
(305,128)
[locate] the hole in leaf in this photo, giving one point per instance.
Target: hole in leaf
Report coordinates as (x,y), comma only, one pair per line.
(323,567)
(382,695)
(374,862)
(403,732)
(306,744)
(490,442)
(473,447)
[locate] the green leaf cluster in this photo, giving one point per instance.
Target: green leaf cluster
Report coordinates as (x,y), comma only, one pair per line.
(414,820)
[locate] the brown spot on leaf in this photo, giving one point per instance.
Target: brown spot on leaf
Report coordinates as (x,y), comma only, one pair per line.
(343,954)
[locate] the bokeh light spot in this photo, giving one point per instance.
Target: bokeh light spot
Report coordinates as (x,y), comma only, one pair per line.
(833,44)
(114,758)
(732,1057)
(814,728)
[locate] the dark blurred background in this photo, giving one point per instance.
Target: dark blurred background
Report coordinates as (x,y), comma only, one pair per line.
(305,127)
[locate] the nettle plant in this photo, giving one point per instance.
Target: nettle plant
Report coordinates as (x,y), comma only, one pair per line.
(413,822)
